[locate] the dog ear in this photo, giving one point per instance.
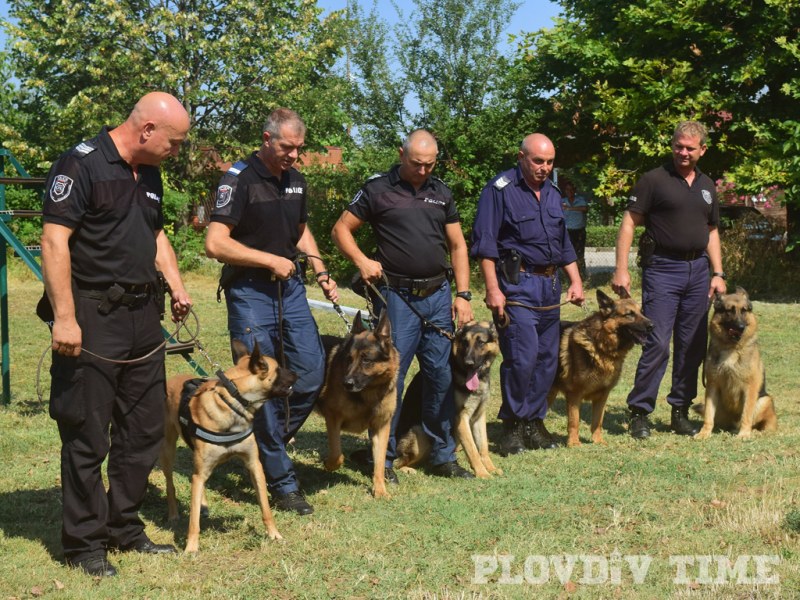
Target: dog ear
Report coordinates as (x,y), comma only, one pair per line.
(255,359)
(358,324)
(604,300)
(384,328)
(718,303)
(623,293)
(239,350)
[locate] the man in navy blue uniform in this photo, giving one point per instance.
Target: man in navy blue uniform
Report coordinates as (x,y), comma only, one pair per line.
(520,239)
(416,225)
(677,204)
(102,241)
(259,227)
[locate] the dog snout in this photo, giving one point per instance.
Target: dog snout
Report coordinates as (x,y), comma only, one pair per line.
(649,326)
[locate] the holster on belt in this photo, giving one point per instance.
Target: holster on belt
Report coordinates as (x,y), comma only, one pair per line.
(647,246)
(509,265)
(227,276)
(162,290)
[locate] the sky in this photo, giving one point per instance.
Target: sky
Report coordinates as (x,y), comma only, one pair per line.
(530,16)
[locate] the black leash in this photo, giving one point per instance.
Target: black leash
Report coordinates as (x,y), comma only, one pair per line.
(425,321)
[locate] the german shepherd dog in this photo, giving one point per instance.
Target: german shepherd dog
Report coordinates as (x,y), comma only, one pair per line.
(590,359)
(360,393)
(735,383)
(475,347)
(217,419)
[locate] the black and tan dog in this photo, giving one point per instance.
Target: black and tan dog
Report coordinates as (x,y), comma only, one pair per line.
(590,359)
(475,347)
(734,373)
(215,418)
(360,393)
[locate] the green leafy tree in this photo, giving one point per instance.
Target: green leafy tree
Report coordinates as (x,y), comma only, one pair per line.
(616,76)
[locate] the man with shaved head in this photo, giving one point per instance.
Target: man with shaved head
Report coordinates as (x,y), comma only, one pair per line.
(520,239)
(103,243)
(416,226)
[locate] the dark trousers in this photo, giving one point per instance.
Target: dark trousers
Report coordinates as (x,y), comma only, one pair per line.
(578,239)
(105,409)
(529,346)
(262,311)
(432,350)
(675,298)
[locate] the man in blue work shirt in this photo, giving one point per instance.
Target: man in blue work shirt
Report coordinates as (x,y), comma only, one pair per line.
(521,240)
(678,206)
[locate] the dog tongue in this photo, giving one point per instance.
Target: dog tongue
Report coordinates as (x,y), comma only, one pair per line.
(472,382)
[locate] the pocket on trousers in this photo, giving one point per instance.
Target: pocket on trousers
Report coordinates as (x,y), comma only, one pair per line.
(67,401)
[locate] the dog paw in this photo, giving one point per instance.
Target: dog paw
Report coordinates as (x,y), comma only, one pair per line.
(275,536)
(573,443)
(381,494)
(407,470)
(599,442)
(744,435)
(332,464)
(702,435)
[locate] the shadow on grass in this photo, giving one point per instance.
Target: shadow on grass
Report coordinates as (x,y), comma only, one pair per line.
(34,515)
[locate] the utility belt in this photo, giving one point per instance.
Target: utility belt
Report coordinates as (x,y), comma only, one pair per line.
(510,266)
(420,287)
(112,295)
(231,273)
(690,255)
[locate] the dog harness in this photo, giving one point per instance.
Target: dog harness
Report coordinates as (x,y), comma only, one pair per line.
(191,430)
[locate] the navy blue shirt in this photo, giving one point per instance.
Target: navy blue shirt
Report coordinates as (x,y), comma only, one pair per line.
(115,217)
(409,224)
(265,211)
(676,214)
(510,217)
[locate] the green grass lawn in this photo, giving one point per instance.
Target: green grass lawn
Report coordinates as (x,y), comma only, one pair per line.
(628,515)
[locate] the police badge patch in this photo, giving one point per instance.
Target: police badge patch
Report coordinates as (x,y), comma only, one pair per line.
(224,193)
(632,199)
(62,186)
(706,196)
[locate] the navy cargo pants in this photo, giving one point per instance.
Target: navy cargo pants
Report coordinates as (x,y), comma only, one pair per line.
(675,298)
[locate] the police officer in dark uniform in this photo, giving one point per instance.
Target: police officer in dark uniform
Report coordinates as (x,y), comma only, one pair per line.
(521,240)
(258,227)
(677,204)
(416,224)
(102,242)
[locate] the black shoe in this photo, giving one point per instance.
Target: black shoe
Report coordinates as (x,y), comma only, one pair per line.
(639,426)
(362,457)
(680,422)
(292,502)
(96,566)
(390,476)
(512,442)
(536,437)
(451,469)
(145,545)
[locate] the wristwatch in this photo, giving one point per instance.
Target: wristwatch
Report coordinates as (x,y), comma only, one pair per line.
(467,295)
(719,274)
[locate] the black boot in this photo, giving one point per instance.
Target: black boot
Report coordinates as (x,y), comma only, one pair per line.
(680,422)
(537,437)
(639,425)
(512,438)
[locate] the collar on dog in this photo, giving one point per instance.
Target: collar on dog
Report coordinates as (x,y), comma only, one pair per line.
(231,388)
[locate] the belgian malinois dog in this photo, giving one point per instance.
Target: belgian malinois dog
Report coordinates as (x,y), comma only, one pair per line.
(590,358)
(475,347)
(215,418)
(360,393)
(736,393)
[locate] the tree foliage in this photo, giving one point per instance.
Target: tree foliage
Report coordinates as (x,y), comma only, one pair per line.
(84,64)
(618,75)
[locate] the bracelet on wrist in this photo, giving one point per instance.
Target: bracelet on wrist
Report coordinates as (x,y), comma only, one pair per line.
(322,277)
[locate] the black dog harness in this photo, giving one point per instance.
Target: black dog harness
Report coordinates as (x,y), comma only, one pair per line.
(191,430)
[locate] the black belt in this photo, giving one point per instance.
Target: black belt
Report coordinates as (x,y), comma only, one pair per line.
(545,270)
(127,288)
(675,255)
(417,287)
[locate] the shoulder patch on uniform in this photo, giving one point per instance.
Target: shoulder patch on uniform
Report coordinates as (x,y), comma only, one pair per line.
(706,196)
(376,176)
(84,148)
(556,188)
(502,182)
(61,188)
(237,168)
(224,195)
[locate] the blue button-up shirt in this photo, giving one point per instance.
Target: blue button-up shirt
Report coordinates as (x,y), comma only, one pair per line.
(510,217)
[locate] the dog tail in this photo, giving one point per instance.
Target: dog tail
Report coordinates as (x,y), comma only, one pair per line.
(699,407)
(413,447)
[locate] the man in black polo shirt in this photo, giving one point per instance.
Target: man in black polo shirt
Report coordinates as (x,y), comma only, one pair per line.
(416,224)
(259,225)
(102,242)
(677,204)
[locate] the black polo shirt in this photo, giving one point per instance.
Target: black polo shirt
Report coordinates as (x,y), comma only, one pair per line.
(265,211)
(676,215)
(409,225)
(115,217)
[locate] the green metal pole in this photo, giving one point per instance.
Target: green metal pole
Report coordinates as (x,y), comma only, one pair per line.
(4,338)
